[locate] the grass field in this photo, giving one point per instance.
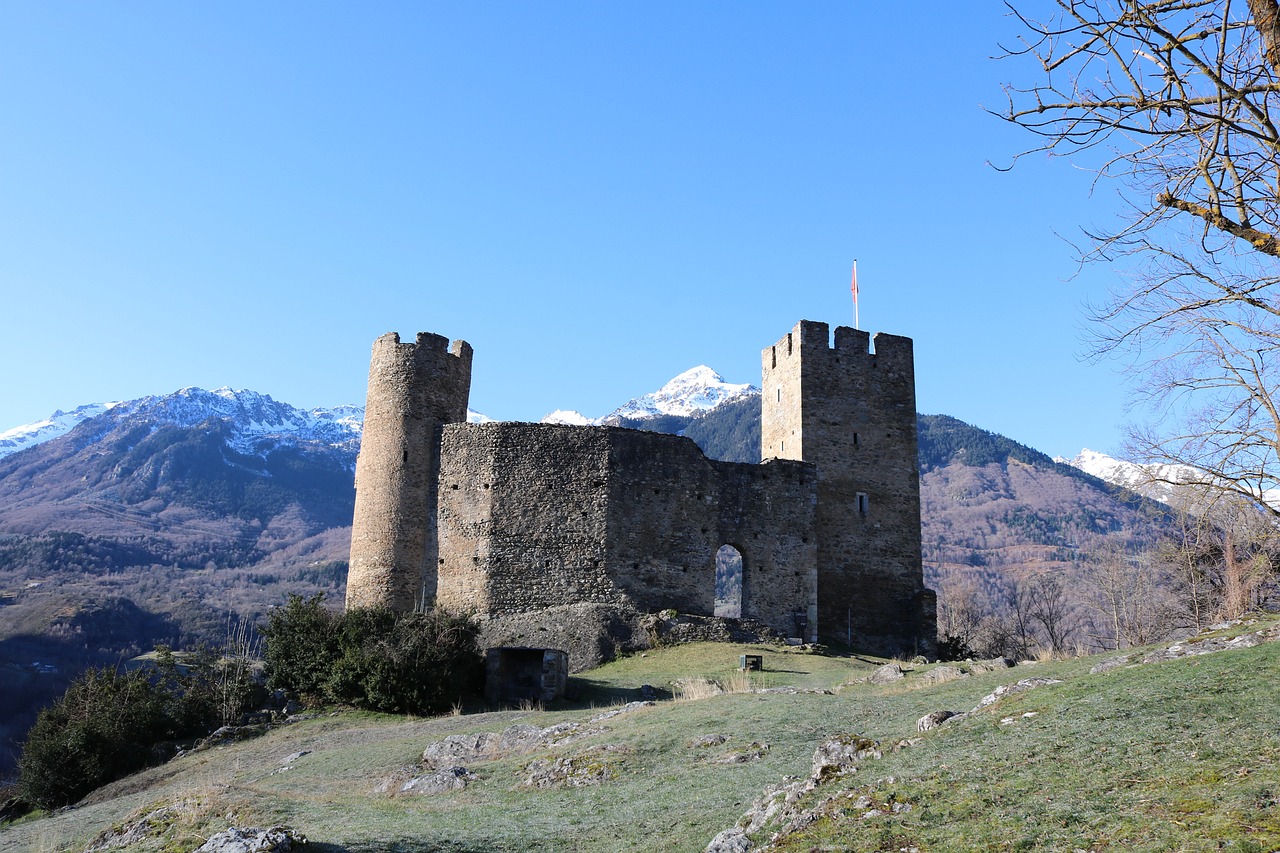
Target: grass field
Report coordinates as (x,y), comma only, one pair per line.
(1180,755)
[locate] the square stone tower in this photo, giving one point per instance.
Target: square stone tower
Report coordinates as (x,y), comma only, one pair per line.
(851,410)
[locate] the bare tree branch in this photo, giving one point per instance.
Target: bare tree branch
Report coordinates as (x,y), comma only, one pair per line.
(1176,101)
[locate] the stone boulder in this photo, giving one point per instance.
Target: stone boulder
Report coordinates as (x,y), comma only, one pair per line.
(439,782)
(1017,687)
(935,719)
(887,674)
(978,667)
(841,754)
(592,767)
(277,839)
(942,674)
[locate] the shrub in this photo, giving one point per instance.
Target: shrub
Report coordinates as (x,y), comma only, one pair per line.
(302,644)
(103,728)
(109,724)
(951,647)
(416,663)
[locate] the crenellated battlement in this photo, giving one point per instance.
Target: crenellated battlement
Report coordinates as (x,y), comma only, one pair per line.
(505,518)
(414,390)
(427,346)
(846,403)
(848,345)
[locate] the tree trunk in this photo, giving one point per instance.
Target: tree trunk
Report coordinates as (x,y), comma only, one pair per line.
(1266,20)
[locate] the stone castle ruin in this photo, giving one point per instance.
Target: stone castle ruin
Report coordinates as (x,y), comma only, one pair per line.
(564,536)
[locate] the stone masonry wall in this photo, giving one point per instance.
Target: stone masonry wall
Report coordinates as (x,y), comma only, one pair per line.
(522,518)
(414,389)
(508,519)
(851,412)
(666,491)
(536,516)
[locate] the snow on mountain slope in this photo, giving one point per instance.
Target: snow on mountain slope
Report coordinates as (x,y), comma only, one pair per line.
(59,423)
(260,423)
(693,392)
(569,417)
(1158,482)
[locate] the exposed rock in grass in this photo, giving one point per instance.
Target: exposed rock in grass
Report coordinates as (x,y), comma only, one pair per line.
(707,741)
(231,734)
(753,751)
(151,825)
(1006,721)
(513,740)
(628,708)
(887,674)
(1017,687)
(439,782)
(732,840)
(592,767)
(1110,664)
(780,805)
(935,719)
(277,839)
(1204,646)
(942,674)
(841,754)
(978,667)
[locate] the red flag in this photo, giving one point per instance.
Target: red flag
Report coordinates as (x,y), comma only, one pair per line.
(854,286)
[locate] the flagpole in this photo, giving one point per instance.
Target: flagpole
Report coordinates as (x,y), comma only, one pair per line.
(854,287)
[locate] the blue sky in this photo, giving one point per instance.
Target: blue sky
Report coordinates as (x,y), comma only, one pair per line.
(596,196)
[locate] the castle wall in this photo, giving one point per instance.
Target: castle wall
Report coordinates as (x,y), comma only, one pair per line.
(414,389)
(850,410)
(534,516)
(664,490)
(522,518)
(506,519)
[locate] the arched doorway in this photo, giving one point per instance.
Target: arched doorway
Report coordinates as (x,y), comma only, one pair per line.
(729,586)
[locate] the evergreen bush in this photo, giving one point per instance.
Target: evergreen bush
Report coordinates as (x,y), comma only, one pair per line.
(409,663)
(302,645)
(104,727)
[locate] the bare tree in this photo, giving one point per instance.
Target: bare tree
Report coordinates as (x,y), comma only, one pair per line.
(1176,101)
(961,612)
(1129,599)
(1050,606)
(1224,561)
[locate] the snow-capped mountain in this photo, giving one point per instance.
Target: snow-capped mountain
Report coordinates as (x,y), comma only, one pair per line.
(694,392)
(1158,482)
(1104,467)
(568,417)
(258,423)
(59,423)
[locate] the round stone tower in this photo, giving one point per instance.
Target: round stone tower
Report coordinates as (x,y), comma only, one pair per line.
(414,390)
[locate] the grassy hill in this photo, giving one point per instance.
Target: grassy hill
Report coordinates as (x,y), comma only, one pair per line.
(1175,755)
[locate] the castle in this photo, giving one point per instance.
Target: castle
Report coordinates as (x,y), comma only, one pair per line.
(516,521)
